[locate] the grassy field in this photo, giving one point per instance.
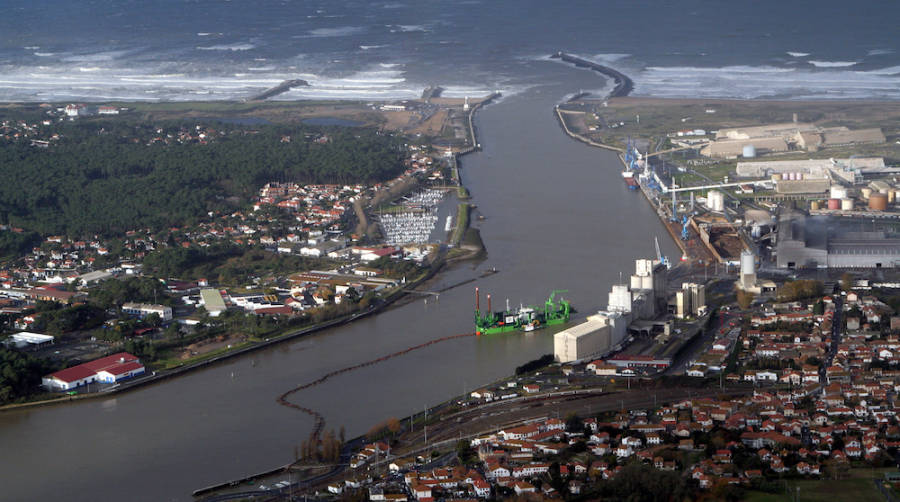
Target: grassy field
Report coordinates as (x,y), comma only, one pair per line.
(858,488)
(659,117)
(462,223)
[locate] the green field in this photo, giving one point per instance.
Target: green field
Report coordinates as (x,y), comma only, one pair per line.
(860,487)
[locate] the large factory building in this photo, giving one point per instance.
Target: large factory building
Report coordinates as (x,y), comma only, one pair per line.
(823,242)
(595,337)
(641,298)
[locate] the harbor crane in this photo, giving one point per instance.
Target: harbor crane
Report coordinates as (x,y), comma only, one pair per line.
(662,259)
(549,306)
(685,221)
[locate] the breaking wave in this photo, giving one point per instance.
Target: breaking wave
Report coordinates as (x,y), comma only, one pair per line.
(342,31)
(228,47)
(750,82)
(833,64)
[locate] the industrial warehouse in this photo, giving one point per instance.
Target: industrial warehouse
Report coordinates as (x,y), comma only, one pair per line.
(791,136)
(825,242)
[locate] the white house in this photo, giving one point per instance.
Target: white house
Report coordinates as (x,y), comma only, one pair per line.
(142,310)
(109,369)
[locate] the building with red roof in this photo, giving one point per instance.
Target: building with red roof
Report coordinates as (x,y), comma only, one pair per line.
(109,369)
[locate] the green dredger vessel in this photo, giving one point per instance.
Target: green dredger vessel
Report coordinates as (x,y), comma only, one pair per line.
(524,319)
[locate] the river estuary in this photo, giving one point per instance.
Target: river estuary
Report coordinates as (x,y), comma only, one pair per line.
(557,217)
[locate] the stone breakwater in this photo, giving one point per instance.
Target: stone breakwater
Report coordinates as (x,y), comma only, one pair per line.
(623,84)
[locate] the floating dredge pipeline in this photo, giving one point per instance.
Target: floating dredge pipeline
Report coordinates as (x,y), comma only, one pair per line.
(319,420)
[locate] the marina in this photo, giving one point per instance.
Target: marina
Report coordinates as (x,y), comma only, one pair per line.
(416,221)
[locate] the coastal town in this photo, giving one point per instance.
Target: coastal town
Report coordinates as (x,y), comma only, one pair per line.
(295,256)
(810,385)
(758,363)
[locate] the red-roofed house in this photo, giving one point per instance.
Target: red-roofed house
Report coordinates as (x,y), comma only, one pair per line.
(109,369)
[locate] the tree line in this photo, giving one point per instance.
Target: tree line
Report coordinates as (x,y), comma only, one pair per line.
(103,179)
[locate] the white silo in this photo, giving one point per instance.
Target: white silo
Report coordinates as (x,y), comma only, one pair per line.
(838,192)
(715,200)
(748,269)
(749,151)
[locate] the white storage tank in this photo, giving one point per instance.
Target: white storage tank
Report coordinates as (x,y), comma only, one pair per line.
(748,263)
(749,151)
(715,200)
(846,204)
(866,192)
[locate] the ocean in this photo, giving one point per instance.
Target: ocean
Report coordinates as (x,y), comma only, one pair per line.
(162,50)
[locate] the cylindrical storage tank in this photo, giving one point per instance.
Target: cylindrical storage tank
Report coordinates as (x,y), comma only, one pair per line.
(799,176)
(878,202)
(748,263)
(749,151)
(647,282)
(814,205)
(834,204)
(776,177)
(847,204)
(866,192)
(891,196)
(838,192)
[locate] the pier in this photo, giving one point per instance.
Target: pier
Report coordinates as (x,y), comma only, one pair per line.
(623,84)
(279,89)
(432,91)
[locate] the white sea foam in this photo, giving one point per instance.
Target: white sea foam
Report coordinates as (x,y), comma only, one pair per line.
(879,52)
(832,64)
(370,47)
(407,28)
(342,31)
(608,58)
(748,82)
(95,57)
(891,70)
(228,47)
(797,54)
(44,54)
(388,65)
(722,70)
